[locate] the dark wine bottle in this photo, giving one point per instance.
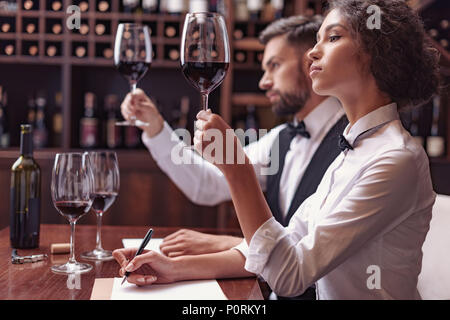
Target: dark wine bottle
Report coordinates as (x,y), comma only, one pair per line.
(25,193)
(89,124)
(113,132)
(4,125)
(40,133)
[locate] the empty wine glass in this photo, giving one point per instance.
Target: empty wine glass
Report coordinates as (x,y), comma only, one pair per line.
(71,189)
(132,57)
(105,169)
(205,52)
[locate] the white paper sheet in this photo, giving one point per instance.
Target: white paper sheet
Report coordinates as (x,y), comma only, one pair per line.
(135,243)
(184,290)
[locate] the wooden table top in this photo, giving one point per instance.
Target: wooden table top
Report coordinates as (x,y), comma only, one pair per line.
(36,281)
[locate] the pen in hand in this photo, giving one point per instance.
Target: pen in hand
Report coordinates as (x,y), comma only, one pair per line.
(144,243)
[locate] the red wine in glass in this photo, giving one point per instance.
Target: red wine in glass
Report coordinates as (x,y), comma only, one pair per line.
(133,71)
(102,201)
(72,210)
(205,76)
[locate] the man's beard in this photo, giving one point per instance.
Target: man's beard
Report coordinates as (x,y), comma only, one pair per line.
(290,104)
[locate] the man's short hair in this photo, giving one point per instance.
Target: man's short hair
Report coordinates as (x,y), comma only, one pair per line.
(299,30)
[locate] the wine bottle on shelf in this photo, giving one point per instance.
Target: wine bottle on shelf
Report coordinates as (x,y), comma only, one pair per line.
(241,10)
(113,132)
(414,127)
(80,51)
(176,7)
(198,6)
(240,56)
(4,124)
(254,8)
(84,28)
(100,29)
(170,30)
(278,6)
(5,27)
(25,195)
(435,142)
(30,28)
(150,6)
(9,49)
(57,121)
(32,50)
(31,5)
(31,113)
(130,6)
(84,5)
(54,5)
(89,124)
(40,132)
(55,27)
(103,6)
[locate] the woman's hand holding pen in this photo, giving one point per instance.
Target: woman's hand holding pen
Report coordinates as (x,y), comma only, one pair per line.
(138,104)
(146,268)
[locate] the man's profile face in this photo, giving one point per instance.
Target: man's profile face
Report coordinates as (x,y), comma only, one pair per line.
(284,79)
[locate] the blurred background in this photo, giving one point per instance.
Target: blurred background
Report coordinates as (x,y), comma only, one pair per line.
(64,82)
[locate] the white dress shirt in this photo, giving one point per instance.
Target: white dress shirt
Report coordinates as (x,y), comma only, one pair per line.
(204,184)
(360,235)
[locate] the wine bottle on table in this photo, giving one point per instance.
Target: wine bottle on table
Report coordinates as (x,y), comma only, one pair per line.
(25,195)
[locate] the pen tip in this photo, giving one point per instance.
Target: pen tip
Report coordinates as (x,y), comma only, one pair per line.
(124,278)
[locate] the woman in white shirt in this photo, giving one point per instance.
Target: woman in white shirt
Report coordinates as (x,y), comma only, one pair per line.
(360,235)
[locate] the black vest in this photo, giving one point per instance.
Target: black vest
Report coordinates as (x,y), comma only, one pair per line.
(325,154)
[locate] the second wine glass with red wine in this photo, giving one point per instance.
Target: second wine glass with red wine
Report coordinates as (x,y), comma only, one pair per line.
(105,169)
(205,52)
(132,57)
(71,189)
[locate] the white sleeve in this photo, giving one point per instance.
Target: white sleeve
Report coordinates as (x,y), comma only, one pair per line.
(202,182)
(242,248)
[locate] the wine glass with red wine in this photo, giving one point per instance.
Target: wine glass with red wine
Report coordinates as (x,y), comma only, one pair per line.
(71,188)
(205,52)
(105,169)
(132,57)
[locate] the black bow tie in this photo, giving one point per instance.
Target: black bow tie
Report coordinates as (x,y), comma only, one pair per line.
(344,144)
(298,129)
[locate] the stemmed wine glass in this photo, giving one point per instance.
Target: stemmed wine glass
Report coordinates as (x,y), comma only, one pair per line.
(132,57)
(105,169)
(205,52)
(71,188)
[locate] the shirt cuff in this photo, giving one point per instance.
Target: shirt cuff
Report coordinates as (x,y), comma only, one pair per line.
(242,248)
(262,243)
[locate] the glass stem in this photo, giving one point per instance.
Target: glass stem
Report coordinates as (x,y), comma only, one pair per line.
(133,86)
(205,101)
(72,243)
(99,231)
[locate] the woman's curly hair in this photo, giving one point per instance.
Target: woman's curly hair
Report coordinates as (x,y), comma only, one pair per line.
(403,61)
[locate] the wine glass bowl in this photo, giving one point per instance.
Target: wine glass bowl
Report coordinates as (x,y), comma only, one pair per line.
(132,57)
(71,188)
(106,184)
(205,52)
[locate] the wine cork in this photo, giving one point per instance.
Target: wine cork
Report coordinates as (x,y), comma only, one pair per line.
(60,248)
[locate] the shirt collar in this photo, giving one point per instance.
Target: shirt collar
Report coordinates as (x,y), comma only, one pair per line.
(376,118)
(317,119)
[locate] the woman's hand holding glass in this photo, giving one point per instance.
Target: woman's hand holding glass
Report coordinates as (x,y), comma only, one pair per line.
(217,142)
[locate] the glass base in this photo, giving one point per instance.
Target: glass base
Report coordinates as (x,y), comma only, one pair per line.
(68,268)
(137,123)
(102,255)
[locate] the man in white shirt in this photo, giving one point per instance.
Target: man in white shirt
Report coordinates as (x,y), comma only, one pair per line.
(306,147)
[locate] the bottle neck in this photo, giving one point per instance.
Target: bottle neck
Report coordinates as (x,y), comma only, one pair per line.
(26,144)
